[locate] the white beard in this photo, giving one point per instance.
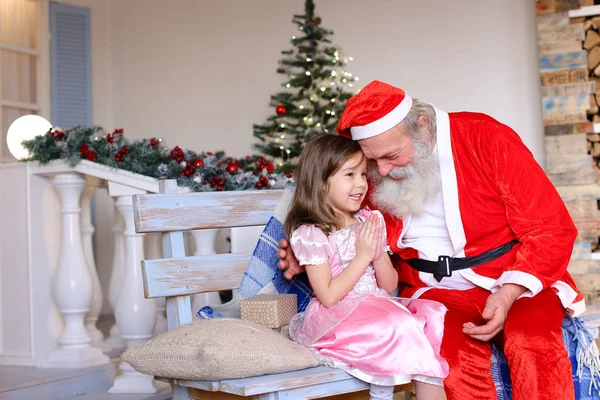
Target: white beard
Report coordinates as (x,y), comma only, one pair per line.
(421,182)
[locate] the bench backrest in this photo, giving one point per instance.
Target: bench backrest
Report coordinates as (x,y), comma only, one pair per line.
(176,276)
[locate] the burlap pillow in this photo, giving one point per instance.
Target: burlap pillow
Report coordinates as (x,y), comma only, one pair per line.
(217,349)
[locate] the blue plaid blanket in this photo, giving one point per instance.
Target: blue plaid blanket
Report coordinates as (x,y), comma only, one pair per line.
(263,276)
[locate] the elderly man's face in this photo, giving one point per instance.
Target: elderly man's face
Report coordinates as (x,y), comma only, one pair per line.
(407,173)
(392,148)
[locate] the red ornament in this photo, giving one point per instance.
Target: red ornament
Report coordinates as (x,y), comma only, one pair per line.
(198,163)
(280,109)
(231,168)
(154,143)
(219,188)
(270,167)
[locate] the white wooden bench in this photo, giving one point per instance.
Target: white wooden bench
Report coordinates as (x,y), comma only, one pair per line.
(176,277)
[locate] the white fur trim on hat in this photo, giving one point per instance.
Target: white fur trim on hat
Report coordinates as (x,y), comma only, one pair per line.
(384,123)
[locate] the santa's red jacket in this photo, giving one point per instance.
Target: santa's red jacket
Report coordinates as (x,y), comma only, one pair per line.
(494,192)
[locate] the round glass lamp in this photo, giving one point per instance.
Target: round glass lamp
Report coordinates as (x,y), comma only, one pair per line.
(25,128)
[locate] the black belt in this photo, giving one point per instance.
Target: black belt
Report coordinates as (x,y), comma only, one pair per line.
(444,266)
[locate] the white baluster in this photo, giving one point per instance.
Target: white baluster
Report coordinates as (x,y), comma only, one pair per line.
(72,284)
(153,249)
(136,316)
(116,278)
(205,241)
(87,231)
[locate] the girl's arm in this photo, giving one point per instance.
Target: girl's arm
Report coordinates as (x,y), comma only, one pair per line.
(331,290)
(386,275)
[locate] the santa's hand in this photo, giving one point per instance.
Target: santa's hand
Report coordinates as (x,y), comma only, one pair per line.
(287,260)
(495,312)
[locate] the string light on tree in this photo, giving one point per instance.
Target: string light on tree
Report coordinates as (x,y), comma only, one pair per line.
(313,92)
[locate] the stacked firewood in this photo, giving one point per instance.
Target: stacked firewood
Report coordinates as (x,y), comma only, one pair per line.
(569,50)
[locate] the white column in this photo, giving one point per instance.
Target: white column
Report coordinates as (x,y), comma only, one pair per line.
(87,231)
(153,250)
(205,241)
(136,316)
(72,284)
(116,278)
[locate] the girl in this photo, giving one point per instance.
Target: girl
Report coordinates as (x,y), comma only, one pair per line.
(352,322)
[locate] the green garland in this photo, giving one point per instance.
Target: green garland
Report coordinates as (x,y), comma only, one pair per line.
(201,172)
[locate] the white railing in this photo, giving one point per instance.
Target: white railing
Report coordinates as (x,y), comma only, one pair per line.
(64,292)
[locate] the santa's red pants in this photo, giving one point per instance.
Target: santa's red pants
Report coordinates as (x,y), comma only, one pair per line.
(532,342)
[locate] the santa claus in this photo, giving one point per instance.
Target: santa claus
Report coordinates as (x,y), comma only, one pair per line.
(477,226)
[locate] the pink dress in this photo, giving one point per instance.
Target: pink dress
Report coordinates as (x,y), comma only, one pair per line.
(374,337)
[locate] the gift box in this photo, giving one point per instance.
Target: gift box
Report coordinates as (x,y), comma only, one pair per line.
(272,310)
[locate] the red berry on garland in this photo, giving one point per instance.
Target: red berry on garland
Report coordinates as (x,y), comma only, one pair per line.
(258,185)
(219,188)
(280,109)
(91,156)
(111,137)
(120,154)
(232,168)
(154,142)
(270,167)
(209,153)
(220,164)
(176,154)
(57,134)
(198,163)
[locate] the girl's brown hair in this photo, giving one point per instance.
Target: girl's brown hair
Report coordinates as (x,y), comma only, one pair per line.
(322,157)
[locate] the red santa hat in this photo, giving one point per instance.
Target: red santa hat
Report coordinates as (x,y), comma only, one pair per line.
(376,109)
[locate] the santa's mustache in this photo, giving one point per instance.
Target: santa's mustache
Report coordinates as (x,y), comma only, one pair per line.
(403,172)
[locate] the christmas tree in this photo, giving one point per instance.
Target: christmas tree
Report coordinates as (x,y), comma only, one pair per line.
(316,90)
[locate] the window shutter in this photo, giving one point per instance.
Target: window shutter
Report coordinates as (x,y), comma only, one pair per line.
(70,66)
